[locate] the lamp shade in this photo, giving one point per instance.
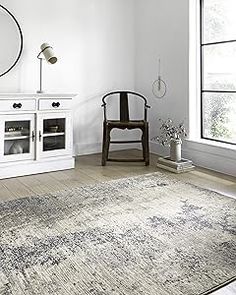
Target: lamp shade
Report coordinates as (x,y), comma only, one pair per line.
(48,53)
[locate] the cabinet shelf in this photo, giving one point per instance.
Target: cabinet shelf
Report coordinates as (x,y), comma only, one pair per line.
(16,137)
(52,134)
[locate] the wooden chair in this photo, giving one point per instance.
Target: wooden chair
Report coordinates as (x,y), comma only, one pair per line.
(125,123)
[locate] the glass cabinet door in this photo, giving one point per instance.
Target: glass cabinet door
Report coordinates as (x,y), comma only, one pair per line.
(18,137)
(54,134)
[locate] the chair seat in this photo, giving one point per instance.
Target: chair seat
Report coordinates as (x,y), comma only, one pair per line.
(131,124)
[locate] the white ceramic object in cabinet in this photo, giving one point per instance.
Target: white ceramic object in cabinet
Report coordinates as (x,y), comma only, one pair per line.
(9,139)
(37,133)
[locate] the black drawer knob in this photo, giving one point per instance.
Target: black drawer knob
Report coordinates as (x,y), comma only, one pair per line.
(17,105)
(56,104)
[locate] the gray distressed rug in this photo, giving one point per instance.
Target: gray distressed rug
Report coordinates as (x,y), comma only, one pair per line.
(148,235)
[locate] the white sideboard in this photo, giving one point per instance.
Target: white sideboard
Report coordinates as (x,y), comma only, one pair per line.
(36,133)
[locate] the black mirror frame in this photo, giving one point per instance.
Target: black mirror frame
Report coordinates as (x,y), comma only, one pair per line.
(21,40)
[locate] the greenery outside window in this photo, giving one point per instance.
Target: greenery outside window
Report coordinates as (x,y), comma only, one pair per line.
(218,70)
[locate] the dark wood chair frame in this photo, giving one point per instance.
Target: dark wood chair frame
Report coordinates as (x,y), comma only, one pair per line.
(125,123)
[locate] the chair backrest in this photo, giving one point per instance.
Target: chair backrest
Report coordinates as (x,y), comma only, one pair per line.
(124,103)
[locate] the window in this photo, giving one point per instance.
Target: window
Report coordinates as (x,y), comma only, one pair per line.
(218,70)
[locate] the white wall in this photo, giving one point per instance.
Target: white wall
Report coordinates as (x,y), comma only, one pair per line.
(162,30)
(94,41)
(110,44)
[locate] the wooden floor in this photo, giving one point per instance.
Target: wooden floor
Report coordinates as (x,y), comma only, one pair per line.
(88,170)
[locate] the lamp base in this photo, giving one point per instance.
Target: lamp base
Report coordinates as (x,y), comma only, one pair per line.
(40,91)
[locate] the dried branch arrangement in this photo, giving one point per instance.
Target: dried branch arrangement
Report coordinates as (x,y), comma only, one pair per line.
(169,131)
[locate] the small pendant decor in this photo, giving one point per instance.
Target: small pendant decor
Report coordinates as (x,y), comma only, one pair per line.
(159,87)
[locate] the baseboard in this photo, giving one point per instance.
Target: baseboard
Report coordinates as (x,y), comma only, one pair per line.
(22,168)
(158,149)
(208,157)
(95,148)
(213,158)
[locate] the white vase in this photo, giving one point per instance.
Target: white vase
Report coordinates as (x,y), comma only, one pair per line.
(175,150)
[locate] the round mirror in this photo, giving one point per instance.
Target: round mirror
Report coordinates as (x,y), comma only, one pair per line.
(11,41)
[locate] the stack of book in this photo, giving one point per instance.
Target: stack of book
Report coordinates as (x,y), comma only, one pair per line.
(184,165)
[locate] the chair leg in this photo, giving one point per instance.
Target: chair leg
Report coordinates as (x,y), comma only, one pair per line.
(146,144)
(143,144)
(108,138)
(104,145)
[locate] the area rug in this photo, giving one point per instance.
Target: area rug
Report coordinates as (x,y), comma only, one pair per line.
(146,235)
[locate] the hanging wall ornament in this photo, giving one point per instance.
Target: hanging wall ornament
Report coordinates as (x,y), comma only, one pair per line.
(159,87)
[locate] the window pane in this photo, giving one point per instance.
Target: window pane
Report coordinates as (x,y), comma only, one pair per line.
(219,116)
(219,66)
(219,21)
